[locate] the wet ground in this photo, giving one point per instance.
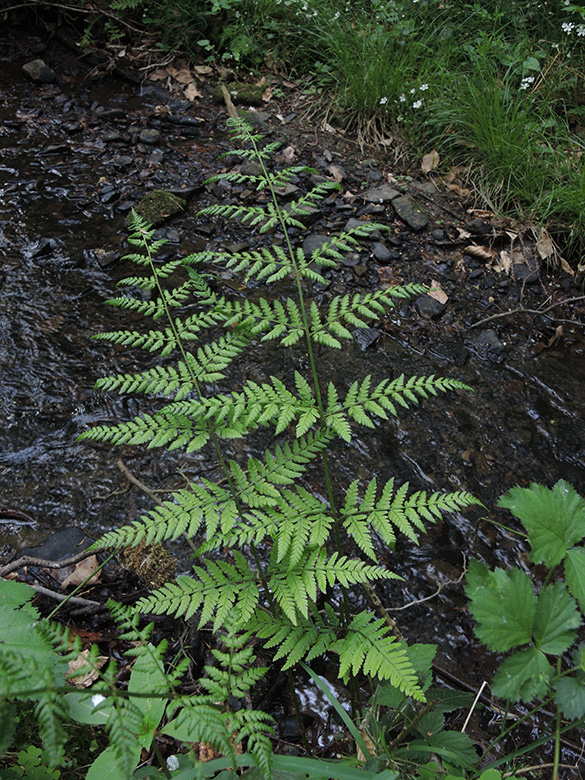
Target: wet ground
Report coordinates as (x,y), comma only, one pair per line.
(75,157)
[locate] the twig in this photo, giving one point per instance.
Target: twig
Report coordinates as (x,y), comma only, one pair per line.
(472,708)
(29,560)
(523,770)
(442,585)
(522,310)
(75,600)
(231,109)
(380,608)
(135,481)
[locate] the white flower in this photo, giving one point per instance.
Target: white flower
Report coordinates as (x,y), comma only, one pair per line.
(580,30)
(567,27)
(383,101)
(423,87)
(402,98)
(337,14)
(97,699)
(526,82)
(172,763)
(413,90)
(417,104)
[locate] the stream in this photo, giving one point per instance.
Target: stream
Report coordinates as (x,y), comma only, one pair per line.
(74,158)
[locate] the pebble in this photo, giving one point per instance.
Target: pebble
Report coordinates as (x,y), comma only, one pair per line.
(382,253)
(314,242)
(149,136)
(428,306)
(365,337)
(381,194)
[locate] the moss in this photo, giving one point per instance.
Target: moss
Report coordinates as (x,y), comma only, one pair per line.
(242,94)
(157,206)
(152,563)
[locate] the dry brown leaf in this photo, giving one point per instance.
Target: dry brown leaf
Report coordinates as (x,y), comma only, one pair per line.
(159,74)
(336,173)
(565,266)
(327,155)
(289,153)
(191,92)
(369,744)
(82,571)
(84,680)
(225,73)
(481,213)
(558,335)
(463,192)
(475,250)
(388,277)
(437,292)
(545,245)
(430,161)
(202,70)
(267,95)
(183,76)
(453,174)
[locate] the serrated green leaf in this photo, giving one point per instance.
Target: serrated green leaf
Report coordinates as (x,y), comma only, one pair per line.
(554,519)
(556,619)
(570,697)
(575,574)
(503,605)
(523,676)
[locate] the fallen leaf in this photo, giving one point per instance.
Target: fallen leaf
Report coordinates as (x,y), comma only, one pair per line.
(327,155)
(369,744)
(430,161)
(481,213)
(82,571)
(328,128)
(267,95)
(388,277)
(159,74)
(453,174)
(565,266)
(437,292)
(289,84)
(191,92)
(289,153)
(183,76)
(86,679)
(202,70)
(558,335)
(225,73)
(475,250)
(261,82)
(463,192)
(336,173)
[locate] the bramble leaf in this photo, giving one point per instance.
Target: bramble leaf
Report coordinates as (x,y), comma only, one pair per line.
(575,574)
(556,619)
(523,676)
(570,696)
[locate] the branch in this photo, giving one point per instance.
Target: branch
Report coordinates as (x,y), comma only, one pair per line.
(29,560)
(522,310)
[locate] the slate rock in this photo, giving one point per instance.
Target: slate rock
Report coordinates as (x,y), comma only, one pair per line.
(478,227)
(365,337)
(358,223)
(382,253)
(410,212)
(427,306)
(381,194)
(314,242)
(149,136)
(487,346)
(39,72)
(526,272)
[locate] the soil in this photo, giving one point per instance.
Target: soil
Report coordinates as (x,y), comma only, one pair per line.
(504,315)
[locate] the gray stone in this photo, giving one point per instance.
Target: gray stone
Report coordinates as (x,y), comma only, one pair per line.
(381,194)
(488,346)
(352,223)
(251,169)
(427,306)
(410,212)
(365,337)
(39,71)
(382,253)
(149,136)
(314,242)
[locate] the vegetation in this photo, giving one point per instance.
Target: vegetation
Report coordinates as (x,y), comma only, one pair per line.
(276,560)
(492,86)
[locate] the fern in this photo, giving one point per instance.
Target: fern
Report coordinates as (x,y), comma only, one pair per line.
(290,547)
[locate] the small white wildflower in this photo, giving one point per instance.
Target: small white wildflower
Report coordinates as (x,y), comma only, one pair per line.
(567,27)
(423,87)
(417,104)
(337,15)
(172,763)
(526,82)
(580,30)
(567,2)
(97,699)
(383,101)
(413,90)
(402,98)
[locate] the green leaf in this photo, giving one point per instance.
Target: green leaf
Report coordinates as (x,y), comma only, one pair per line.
(554,519)
(524,676)
(109,767)
(503,605)
(556,619)
(575,574)
(148,677)
(570,697)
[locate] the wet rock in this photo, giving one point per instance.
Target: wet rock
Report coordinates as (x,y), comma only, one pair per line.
(112,135)
(157,206)
(55,149)
(438,235)
(257,119)
(410,212)
(526,272)
(71,127)
(353,223)
(453,351)
(110,113)
(487,346)
(124,161)
(382,253)
(149,136)
(351,259)
(307,219)
(365,337)
(43,247)
(381,194)
(427,306)
(39,72)
(251,169)
(314,242)
(478,227)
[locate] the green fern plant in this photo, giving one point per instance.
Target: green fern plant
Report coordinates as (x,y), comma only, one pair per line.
(318,547)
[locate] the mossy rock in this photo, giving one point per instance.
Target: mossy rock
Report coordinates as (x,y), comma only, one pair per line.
(242,94)
(152,563)
(159,205)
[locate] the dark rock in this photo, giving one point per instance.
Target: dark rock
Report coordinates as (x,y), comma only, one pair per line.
(314,242)
(410,212)
(110,113)
(251,169)
(256,118)
(438,235)
(453,351)
(478,227)
(381,194)
(359,223)
(39,72)
(365,337)
(55,149)
(487,346)
(124,161)
(427,306)
(307,219)
(350,259)
(44,247)
(71,127)
(112,135)
(382,253)
(375,175)
(360,270)
(526,272)
(149,136)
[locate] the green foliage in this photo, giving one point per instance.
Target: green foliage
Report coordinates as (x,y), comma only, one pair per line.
(263,500)
(513,611)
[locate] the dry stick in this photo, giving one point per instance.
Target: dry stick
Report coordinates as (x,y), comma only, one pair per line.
(436,592)
(522,310)
(76,600)
(28,560)
(231,109)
